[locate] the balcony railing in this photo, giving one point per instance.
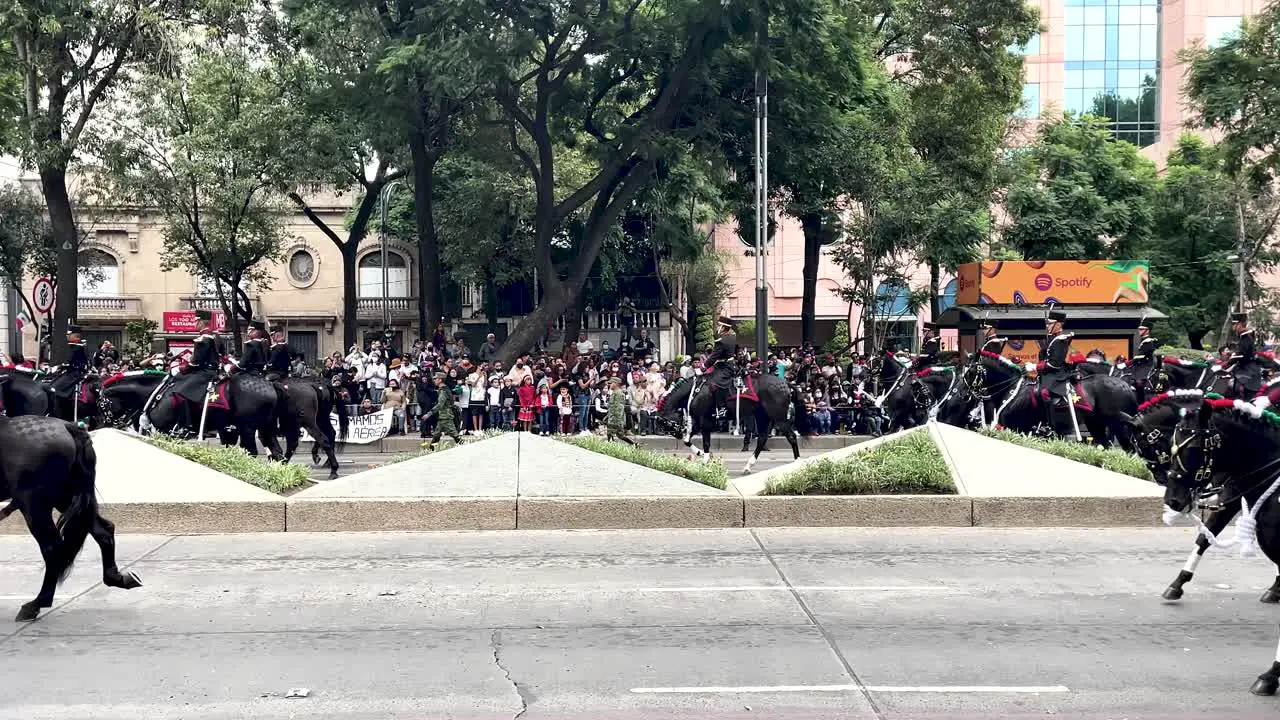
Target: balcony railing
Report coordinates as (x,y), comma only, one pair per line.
(609,320)
(113,307)
(211,304)
(400,308)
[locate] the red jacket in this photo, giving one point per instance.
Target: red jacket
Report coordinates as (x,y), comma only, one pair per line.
(527,395)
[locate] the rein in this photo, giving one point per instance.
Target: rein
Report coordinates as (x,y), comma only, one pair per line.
(1247,525)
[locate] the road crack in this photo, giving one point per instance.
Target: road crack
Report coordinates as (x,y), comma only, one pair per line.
(526,697)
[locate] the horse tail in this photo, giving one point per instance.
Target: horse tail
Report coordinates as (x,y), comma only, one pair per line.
(82,512)
(343,418)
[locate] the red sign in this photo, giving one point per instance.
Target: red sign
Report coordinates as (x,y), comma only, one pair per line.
(184,321)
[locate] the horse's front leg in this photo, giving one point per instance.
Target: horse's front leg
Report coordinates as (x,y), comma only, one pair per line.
(1216,523)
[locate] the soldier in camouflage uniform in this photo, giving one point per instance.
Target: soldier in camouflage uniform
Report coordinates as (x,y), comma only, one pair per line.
(446,422)
(616,421)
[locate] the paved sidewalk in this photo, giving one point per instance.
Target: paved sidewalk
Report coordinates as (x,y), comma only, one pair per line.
(954,624)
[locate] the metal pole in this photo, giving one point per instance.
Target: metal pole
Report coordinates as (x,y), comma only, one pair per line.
(384,198)
(762,182)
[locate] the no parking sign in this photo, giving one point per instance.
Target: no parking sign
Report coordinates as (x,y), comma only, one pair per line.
(42,295)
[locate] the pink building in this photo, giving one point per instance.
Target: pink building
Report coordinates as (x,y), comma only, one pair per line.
(1115,58)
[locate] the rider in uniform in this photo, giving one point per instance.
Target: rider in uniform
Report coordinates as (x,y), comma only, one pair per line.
(725,349)
(193,383)
(71,374)
(1243,363)
(253,359)
(930,346)
(279,358)
(1053,371)
(991,342)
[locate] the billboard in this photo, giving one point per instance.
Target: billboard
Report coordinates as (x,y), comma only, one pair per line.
(1061,282)
(1025,350)
(184,321)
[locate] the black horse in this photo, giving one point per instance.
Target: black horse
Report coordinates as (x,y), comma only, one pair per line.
(124,397)
(75,400)
(894,392)
(307,404)
(48,464)
(1228,452)
(1152,433)
(765,398)
(248,403)
(22,393)
(1173,373)
(1104,408)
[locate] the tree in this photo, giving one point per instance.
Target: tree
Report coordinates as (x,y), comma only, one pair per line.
(747,329)
(1232,91)
(345,140)
(1193,232)
(1079,194)
(70,57)
(10,99)
(202,145)
(619,82)
(26,241)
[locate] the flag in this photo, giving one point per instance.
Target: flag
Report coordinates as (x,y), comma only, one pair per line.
(22,321)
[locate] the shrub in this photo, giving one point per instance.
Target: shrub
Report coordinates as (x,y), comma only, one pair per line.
(708,473)
(911,465)
(275,477)
(425,449)
(1183,353)
(1112,459)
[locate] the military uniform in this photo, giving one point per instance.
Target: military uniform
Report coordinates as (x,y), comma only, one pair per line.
(253,359)
(194,380)
(616,421)
(1243,363)
(726,348)
(929,348)
(1053,372)
(994,345)
(64,384)
(446,420)
(279,358)
(1146,350)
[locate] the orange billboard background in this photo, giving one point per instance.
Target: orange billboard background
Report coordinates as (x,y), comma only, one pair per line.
(1026,350)
(1062,282)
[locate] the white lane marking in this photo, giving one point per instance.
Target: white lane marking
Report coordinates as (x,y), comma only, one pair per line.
(722,690)
(801,588)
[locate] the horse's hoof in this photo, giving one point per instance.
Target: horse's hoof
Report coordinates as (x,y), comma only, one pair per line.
(333,475)
(1265,685)
(1270,597)
(1172,593)
(31,611)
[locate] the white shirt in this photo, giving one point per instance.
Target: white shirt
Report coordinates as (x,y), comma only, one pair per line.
(585,346)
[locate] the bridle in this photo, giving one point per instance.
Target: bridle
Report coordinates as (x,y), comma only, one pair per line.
(1207,492)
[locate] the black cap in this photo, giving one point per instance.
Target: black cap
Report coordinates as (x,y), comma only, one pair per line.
(1239,317)
(73,328)
(203,315)
(258,325)
(931,326)
(1057,316)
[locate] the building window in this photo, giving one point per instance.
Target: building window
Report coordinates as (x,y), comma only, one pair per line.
(1220,29)
(1030,100)
(302,267)
(1113,65)
(305,343)
(948,298)
(369,276)
(99,273)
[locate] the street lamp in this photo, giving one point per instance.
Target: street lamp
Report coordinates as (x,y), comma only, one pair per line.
(762,180)
(383,198)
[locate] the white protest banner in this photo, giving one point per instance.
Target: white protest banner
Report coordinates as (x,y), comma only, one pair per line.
(362,429)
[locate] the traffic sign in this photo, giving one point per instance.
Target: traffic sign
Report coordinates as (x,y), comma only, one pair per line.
(42,295)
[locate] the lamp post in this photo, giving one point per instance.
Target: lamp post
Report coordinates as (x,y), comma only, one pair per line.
(762,181)
(383,198)
(1238,261)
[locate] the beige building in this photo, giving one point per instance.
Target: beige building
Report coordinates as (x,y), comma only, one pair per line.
(303,297)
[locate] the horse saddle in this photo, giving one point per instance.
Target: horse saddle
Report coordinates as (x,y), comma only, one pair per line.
(1058,396)
(192,388)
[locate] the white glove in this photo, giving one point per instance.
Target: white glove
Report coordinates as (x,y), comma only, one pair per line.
(1217,368)
(1123,365)
(1029,367)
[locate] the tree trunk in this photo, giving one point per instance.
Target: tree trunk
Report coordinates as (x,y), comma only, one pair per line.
(350,297)
(1196,339)
(573,319)
(811,224)
(690,328)
(431,294)
(53,180)
(935,305)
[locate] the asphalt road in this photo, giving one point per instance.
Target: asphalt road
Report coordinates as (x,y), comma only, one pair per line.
(923,624)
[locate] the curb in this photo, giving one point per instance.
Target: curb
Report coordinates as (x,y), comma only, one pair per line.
(179,518)
(858,511)
(622,513)
(629,513)
(365,515)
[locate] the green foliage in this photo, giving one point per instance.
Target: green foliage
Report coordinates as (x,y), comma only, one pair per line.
(26,240)
(203,146)
(1189,354)
(139,335)
(1079,194)
(279,478)
(746,333)
(705,332)
(911,465)
(710,473)
(839,343)
(1193,231)
(1112,459)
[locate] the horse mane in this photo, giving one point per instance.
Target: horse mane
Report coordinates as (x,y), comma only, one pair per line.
(1173,396)
(132,373)
(678,384)
(936,369)
(1184,363)
(1001,359)
(1246,411)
